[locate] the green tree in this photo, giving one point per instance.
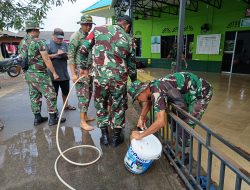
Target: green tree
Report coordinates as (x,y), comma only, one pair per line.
(13,13)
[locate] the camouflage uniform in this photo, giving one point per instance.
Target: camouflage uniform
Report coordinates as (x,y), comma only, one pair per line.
(184,89)
(195,92)
(84,87)
(36,76)
(112,62)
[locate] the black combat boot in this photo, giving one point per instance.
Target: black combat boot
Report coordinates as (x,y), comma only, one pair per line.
(39,119)
(53,119)
(105,136)
(117,137)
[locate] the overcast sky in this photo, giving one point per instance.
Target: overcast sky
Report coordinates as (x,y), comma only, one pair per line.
(67,15)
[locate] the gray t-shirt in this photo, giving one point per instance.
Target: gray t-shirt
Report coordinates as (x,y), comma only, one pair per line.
(59,62)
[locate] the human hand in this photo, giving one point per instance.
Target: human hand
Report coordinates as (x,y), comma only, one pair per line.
(137,135)
(142,123)
(74,77)
(60,52)
(55,76)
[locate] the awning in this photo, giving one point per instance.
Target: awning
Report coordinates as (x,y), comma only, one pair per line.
(100,9)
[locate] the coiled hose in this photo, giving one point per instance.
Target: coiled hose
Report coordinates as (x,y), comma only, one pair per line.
(61,154)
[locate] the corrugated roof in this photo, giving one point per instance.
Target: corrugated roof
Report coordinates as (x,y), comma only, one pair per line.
(45,35)
(8,33)
(97,5)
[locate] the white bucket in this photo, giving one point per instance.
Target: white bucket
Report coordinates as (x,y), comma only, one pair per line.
(141,154)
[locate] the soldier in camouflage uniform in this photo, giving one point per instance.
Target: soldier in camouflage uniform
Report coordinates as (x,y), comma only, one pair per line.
(173,56)
(33,50)
(111,66)
(80,65)
(184,89)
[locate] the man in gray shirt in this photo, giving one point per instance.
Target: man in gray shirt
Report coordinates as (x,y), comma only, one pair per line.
(57,50)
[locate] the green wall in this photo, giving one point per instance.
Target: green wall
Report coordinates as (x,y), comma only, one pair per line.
(220,21)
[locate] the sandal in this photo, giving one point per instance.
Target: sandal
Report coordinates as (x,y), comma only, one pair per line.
(1,126)
(69,107)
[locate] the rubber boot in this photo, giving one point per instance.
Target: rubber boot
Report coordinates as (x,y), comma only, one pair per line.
(39,119)
(117,137)
(53,119)
(105,136)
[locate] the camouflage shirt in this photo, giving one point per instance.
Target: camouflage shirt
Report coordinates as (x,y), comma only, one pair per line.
(74,47)
(31,47)
(23,47)
(112,52)
(36,63)
(180,88)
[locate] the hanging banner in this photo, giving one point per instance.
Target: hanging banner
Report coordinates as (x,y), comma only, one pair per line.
(208,44)
(155,44)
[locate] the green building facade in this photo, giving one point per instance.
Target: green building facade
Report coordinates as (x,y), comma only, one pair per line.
(207,22)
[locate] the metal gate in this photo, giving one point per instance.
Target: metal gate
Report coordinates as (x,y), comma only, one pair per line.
(175,137)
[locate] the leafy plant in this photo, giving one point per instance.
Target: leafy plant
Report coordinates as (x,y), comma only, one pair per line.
(13,13)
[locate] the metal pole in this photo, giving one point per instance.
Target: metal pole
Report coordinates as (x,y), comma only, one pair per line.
(131,15)
(180,34)
(232,61)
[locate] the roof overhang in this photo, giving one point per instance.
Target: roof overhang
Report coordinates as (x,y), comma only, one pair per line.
(106,12)
(154,8)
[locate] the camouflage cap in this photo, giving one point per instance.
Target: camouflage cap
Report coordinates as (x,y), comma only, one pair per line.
(136,88)
(32,24)
(86,19)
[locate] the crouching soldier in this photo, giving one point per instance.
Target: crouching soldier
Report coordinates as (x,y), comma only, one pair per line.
(184,89)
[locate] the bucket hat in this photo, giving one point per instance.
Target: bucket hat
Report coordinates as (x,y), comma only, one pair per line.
(136,88)
(86,19)
(32,24)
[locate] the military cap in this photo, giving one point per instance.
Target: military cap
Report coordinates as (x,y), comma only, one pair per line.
(32,24)
(126,18)
(85,19)
(136,88)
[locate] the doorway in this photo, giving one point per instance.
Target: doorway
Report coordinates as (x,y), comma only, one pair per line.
(236,48)
(138,47)
(168,41)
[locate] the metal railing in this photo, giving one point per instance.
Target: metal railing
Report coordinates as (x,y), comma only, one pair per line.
(178,133)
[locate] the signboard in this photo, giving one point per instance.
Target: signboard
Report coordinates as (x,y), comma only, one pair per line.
(245,22)
(208,44)
(155,44)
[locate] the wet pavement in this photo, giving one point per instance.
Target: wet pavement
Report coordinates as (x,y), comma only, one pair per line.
(28,153)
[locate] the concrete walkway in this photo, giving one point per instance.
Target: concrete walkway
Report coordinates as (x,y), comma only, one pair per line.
(28,153)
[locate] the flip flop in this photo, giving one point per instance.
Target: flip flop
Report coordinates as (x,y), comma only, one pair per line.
(1,126)
(70,108)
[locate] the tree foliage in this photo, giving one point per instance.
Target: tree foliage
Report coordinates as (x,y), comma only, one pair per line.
(13,13)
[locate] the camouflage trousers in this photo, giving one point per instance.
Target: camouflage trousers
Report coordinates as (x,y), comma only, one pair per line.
(114,93)
(84,89)
(40,85)
(199,105)
(196,109)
